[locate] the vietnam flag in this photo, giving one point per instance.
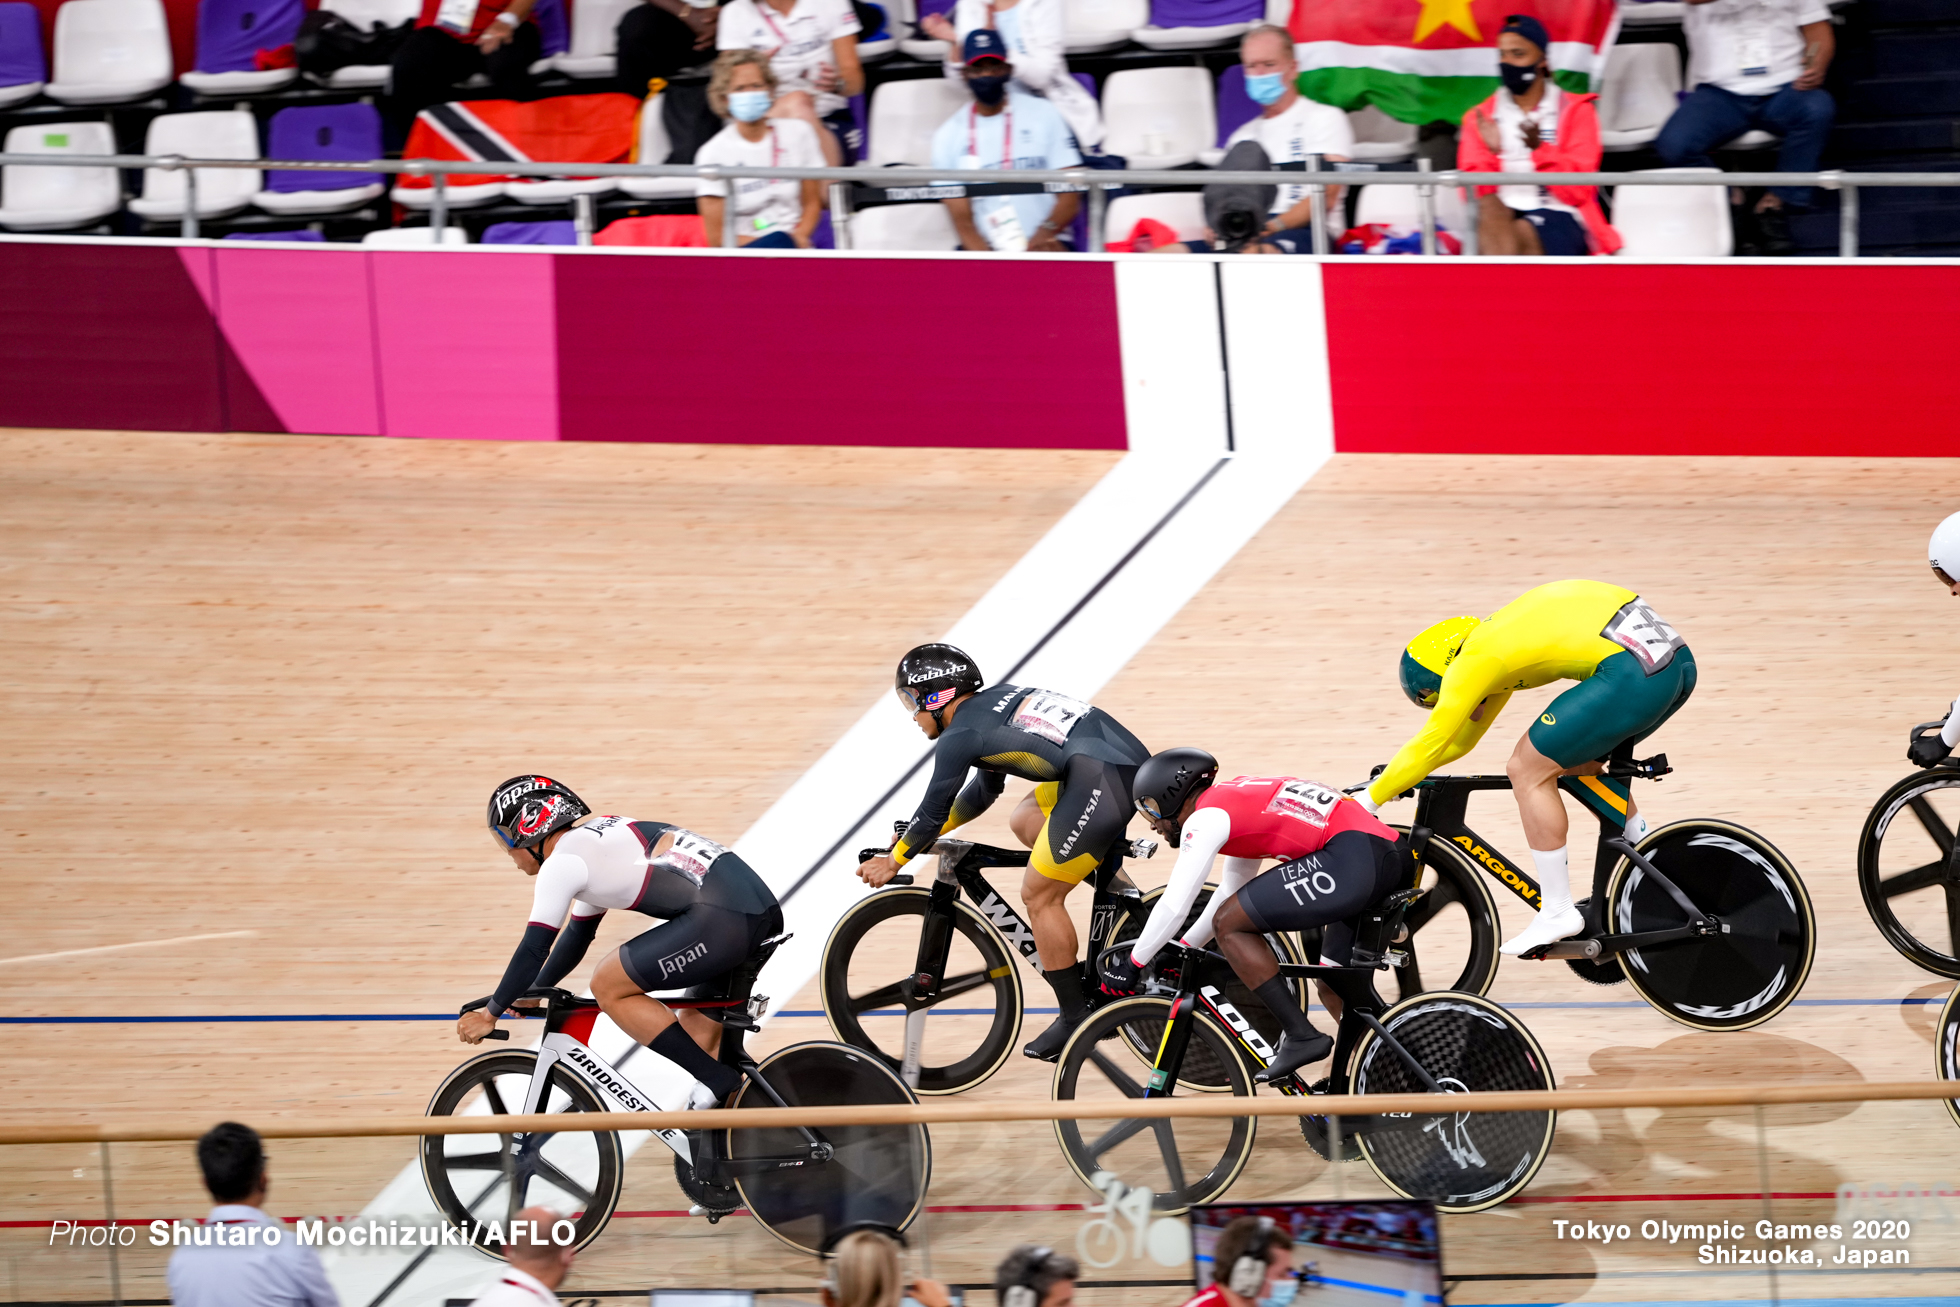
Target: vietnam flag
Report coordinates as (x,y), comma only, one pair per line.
(1427,61)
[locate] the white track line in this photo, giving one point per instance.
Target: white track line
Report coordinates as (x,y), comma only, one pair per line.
(111,948)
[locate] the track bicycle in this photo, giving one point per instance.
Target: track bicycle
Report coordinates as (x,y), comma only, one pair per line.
(801,1184)
(963,963)
(1707,920)
(1440,1043)
(1946,1047)
(1909,871)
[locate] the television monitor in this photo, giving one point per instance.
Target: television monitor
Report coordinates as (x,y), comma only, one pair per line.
(1361,1253)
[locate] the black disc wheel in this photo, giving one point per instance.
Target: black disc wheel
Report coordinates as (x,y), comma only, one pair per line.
(1453,930)
(1754,965)
(1909,869)
(478,1180)
(1461,1161)
(969,1027)
(1946,1048)
(1180,1162)
(873,1173)
(1203,1077)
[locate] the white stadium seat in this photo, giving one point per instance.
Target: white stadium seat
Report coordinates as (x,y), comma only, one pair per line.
(1400,206)
(367,15)
(1379,138)
(1673,222)
(595,36)
(410,237)
(1751,141)
(904,115)
(109,51)
(904,227)
(1093,25)
(1182,211)
(1638,94)
(1651,13)
(1159,117)
(1152,37)
(35,198)
(214,134)
(655,146)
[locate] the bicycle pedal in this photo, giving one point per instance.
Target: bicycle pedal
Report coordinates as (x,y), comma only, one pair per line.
(1560,950)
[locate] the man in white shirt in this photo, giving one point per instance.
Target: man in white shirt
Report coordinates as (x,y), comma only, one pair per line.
(1756,65)
(1007,129)
(533,1270)
(249,1258)
(1289,128)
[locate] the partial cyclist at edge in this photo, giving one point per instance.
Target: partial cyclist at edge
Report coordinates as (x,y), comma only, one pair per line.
(1634,671)
(1339,861)
(1943,552)
(1082,761)
(715,911)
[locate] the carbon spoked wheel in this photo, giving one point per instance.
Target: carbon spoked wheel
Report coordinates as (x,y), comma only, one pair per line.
(1203,1076)
(1180,1162)
(1946,1048)
(972,1023)
(1751,970)
(475,1180)
(1453,932)
(1462,1161)
(876,1173)
(1909,872)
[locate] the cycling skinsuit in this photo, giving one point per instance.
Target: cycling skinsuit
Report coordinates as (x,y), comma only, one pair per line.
(1633,669)
(716,908)
(1082,758)
(1340,860)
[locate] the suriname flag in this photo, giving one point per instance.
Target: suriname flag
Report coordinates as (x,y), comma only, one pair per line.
(1427,61)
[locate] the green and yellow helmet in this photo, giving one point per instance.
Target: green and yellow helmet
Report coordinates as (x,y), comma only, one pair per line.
(1429,655)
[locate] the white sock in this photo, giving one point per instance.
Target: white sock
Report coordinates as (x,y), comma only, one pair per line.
(1553,879)
(1637,828)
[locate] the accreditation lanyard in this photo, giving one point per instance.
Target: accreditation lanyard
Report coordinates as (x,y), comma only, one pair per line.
(782,37)
(1006,136)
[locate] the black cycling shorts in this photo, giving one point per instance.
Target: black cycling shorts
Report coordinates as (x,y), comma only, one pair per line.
(1351,873)
(698,947)
(1088,810)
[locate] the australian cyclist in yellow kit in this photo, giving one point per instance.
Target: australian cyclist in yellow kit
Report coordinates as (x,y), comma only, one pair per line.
(1633,671)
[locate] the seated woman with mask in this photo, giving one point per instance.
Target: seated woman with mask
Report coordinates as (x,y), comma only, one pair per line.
(770,213)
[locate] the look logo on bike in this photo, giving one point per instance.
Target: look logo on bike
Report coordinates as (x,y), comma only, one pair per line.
(1339,861)
(1634,672)
(716,910)
(1082,761)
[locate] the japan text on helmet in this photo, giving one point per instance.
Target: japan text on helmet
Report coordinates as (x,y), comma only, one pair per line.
(932,676)
(1943,550)
(1168,780)
(1429,655)
(526,810)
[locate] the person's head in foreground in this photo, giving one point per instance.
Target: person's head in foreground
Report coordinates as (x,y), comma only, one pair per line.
(863,1270)
(1253,1263)
(546,1262)
(1943,552)
(1523,52)
(233,1162)
(1032,1276)
(986,69)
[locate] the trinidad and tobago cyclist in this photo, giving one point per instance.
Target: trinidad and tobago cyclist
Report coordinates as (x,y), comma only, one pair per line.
(1634,672)
(1943,552)
(717,909)
(1082,760)
(1339,861)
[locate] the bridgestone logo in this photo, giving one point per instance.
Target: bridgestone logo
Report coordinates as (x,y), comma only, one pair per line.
(606,1080)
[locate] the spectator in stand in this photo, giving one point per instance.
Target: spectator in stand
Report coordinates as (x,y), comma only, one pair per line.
(1032,32)
(1252,1261)
(863,1271)
(1289,128)
(453,41)
(812,47)
(661,37)
(534,1269)
(1530,124)
(1035,1277)
(770,213)
(1006,128)
(259,1273)
(1756,65)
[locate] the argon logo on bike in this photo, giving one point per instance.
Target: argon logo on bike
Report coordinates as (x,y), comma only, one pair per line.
(1009,925)
(1500,869)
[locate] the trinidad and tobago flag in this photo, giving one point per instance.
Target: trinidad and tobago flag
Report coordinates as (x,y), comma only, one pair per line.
(563,129)
(1426,61)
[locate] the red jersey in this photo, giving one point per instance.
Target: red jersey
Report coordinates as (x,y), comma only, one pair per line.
(1285,817)
(1212,1297)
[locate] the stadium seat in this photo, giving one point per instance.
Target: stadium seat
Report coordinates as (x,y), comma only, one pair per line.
(1400,206)
(1159,117)
(230,33)
(23,70)
(410,237)
(1637,94)
(904,227)
(1651,13)
(554,34)
(304,236)
(1673,222)
(36,198)
(1235,107)
(1379,138)
(1751,141)
(562,232)
(670,231)
(213,134)
(904,115)
(1182,211)
(883,44)
(1197,24)
(109,51)
(367,15)
(1093,25)
(595,35)
(923,47)
(334,133)
(655,146)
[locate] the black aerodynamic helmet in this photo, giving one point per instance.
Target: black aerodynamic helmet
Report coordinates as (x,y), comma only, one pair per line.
(1167,780)
(526,810)
(932,676)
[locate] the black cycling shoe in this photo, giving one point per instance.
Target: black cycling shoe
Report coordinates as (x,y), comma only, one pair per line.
(1292,1054)
(1047,1046)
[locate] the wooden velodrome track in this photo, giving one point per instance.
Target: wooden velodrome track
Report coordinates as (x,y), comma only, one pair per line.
(258,687)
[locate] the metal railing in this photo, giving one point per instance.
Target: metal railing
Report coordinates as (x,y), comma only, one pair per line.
(848,185)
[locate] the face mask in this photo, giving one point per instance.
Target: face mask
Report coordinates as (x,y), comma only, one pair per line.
(1517,80)
(747,106)
(1282,1294)
(988,90)
(1264,88)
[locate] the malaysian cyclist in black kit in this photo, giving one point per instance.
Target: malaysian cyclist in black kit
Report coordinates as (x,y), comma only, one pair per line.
(1082,761)
(716,910)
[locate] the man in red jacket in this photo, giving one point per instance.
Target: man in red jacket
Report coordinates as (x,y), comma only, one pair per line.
(1531,125)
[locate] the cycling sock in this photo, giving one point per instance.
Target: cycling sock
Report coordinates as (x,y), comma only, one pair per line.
(1277,995)
(1067,984)
(1637,828)
(678,1047)
(1554,880)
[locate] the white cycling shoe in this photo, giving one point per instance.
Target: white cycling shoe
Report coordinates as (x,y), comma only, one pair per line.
(1546,928)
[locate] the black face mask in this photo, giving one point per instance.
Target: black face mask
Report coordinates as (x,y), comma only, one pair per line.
(1517,80)
(988,90)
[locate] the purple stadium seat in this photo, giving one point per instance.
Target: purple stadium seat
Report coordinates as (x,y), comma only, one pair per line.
(1235,107)
(562,232)
(329,133)
(230,33)
(1194,24)
(921,46)
(23,67)
(554,30)
(275,236)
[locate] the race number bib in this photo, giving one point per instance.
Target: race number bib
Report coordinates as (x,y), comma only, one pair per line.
(1047,714)
(1640,631)
(456,15)
(691,855)
(1307,801)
